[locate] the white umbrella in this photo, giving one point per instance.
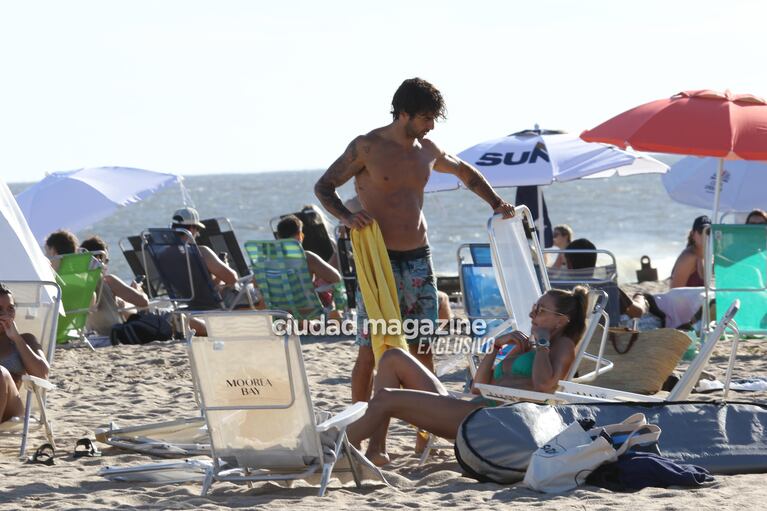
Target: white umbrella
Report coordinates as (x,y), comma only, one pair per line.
(540,157)
(692,181)
(78,198)
(22,259)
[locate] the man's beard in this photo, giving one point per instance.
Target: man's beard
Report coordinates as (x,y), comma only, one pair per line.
(411,132)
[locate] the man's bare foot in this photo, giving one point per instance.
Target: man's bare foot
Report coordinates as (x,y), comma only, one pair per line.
(379,459)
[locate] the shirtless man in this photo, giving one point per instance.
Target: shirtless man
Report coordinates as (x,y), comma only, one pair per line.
(391,166)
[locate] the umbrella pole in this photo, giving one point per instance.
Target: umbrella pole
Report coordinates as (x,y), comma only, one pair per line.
(717,190)
(539,220)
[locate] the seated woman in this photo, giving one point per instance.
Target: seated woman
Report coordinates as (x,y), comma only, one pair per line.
(558,322)
(563,235)
(114,295)
(20,354)
(688,268)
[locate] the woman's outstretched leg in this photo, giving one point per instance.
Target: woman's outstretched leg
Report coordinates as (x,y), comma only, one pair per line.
(437,414)
(396,369)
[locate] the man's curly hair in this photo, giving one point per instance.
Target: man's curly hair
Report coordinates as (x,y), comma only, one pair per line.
(417,96)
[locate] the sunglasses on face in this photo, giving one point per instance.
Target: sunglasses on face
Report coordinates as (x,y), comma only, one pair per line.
(538,308)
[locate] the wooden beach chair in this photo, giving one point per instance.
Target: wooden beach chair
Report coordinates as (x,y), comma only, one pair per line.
(254,394)
(37,312)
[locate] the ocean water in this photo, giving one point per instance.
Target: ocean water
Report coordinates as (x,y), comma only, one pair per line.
(630,216)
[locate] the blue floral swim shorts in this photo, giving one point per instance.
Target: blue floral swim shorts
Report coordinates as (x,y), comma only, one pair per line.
(417,294)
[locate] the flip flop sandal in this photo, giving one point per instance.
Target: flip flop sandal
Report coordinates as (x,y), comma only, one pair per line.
(43,455)
(85,448)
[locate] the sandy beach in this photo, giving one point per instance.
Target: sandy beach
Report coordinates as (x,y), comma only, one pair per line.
(140,384)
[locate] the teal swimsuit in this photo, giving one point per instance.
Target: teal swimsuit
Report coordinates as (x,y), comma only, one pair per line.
(522,366)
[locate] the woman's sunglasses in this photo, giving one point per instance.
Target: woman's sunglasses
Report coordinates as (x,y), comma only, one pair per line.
(537,308)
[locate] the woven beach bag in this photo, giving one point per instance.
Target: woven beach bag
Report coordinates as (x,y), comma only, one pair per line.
(642,360)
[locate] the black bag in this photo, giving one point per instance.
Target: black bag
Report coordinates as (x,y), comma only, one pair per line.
(142,328)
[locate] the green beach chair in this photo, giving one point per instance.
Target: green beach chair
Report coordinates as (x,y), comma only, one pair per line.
(78,276)
(740,272)
(283,277)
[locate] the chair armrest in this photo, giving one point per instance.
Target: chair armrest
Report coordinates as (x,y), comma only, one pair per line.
(345,417)
(570,388)
(247,279)
(466,396)
(38,382)
(605,366)
(510,395)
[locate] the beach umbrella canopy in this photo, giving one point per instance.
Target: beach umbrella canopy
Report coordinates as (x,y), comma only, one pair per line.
(692,181)
(76,199)
(540,157)
(696,123)
(22,258)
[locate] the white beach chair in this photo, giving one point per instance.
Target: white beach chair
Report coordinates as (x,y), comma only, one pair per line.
(520,273)
(255,397)
(522,276)
(181,437)
(37,309)
(575,392)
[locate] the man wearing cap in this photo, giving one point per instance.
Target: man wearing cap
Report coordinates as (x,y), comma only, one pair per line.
(189,219)
(688,269)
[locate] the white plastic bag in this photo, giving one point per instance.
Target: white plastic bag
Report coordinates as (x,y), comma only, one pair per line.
(566,460)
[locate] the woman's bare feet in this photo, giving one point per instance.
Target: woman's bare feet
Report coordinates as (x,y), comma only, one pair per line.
(377,458)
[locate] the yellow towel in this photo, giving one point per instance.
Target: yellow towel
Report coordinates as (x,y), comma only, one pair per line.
(379,291)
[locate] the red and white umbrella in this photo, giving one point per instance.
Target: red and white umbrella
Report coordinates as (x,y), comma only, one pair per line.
(696,123)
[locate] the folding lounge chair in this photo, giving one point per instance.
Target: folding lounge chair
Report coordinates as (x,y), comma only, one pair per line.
(219,236)
(181,437)
(78,275)
(738,255)
(517,260)
(141,266)
(37,312)
(255,398)
(576,392)
(604,277)
(481,296)
(183,271)
(316,237)
(283,277)
(519,279)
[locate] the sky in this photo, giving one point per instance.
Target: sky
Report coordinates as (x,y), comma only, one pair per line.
(197,87)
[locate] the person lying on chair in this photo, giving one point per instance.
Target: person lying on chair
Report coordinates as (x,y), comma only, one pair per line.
(20,354)
(406,390)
